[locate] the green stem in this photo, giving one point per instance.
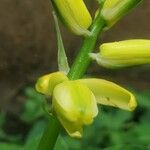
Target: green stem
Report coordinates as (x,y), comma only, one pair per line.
(50,135)
(78,69)
(83,60)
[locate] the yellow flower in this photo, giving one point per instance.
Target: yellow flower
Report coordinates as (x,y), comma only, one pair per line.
(74,14)
(114,10)
(75,102)
(75,106)
(124,53)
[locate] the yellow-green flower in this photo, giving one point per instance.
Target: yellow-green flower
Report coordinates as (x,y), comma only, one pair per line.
(75,102)
(114,10)
(75,106)
(74,14)
(123,53)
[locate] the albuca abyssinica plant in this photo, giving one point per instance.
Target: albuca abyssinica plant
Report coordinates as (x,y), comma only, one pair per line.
(74,99)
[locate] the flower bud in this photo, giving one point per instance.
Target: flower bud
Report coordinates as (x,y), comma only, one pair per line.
(74,14)
(123,53)
(46,83)
(114,10)
(74,105)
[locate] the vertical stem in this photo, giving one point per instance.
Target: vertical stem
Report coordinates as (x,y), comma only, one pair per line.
(77,70)
(50,135)
(82,60)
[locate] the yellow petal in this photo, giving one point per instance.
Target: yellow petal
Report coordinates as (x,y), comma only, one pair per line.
(109,93)
(74,129)
(75,106)
(74,14)
(46,83)
(134,48)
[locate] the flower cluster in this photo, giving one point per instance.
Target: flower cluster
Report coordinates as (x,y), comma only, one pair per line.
(75,102)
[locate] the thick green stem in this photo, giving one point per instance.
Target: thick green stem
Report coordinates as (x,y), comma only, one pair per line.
(50,135)
(82,60)
(77,71)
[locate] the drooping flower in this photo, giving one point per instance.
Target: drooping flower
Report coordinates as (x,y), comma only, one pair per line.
(75,102)
(123,53)
(75,106)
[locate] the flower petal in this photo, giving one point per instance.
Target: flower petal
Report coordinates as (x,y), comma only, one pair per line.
(73,129)
(46,83)
(109,93)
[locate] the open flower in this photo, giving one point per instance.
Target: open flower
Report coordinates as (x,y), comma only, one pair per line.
(123,53)
(75,102)
(74,15)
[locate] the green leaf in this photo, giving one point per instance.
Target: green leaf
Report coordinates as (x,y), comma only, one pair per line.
(32,109)
(144,98)
(9,146)
(34,136)
(62,58)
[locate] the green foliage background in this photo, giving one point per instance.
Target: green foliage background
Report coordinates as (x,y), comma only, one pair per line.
(113,129)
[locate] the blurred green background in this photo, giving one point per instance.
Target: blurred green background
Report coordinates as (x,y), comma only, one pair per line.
(28,49)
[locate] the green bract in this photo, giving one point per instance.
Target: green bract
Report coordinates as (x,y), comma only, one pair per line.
(75,102)
(124,53)
(113,10)
(74,14)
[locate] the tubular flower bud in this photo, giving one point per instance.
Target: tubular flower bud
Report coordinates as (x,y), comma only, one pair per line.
(75,106)
(114,10)
(74,15)
(74,103)
(124,53)
(46,83)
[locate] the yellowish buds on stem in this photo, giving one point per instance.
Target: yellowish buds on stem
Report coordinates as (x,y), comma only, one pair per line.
(123,54)
(74,14)
(114,10)
(75,102)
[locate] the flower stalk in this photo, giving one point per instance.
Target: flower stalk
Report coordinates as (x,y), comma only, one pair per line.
(77,70)
(108,16)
